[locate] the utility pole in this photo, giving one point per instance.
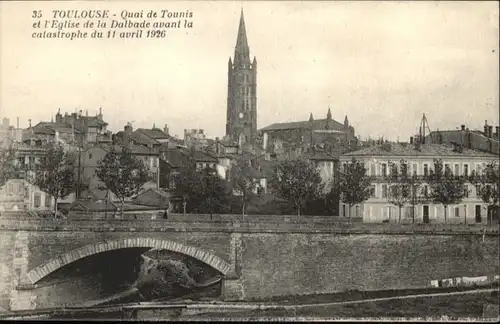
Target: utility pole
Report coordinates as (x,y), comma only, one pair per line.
(79,173)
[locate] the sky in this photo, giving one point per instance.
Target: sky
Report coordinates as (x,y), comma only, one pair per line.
(383,64)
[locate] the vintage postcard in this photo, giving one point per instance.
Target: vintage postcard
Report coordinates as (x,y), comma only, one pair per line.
(249,160)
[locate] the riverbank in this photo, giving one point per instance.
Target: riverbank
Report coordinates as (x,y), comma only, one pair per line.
(452,307)
(453,302)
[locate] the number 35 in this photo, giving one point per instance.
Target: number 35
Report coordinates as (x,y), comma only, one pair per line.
(37,14)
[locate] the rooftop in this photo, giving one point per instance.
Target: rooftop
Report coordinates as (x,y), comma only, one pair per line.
(405,149)
(319,124)
(154,133)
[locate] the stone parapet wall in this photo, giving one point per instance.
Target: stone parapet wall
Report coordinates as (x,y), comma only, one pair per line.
(241,226)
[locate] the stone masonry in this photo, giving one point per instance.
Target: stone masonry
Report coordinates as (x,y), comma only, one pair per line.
(257,260)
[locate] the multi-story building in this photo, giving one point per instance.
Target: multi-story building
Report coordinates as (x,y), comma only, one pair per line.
(89,163)
(176,158)
(419,159)
(20,194)
(73,128)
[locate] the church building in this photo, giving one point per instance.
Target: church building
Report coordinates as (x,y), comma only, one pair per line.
(309,136)
(241,125)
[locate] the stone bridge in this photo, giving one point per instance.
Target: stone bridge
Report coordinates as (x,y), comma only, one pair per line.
(257,258)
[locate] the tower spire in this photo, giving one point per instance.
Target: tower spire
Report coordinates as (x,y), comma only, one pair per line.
(242,51)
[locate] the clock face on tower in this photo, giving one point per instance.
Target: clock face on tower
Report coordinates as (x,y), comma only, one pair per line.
(241,115)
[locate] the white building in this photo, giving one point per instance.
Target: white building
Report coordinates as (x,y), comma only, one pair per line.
(419,159)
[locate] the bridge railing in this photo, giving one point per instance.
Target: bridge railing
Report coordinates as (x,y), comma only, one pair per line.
(247,225)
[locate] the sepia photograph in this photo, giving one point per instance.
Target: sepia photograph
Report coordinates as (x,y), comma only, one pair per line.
(249,160)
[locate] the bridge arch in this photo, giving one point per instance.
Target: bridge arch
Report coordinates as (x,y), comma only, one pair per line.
(45,269)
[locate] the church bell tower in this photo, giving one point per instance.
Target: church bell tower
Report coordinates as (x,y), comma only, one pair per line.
(241,124)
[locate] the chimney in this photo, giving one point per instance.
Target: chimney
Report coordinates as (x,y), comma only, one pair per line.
(490,131)
(469,140)
(99,116)
(127,134)
(497,134)
(165,129)
(128,128)
(18,124)
(462,127)
(485,128)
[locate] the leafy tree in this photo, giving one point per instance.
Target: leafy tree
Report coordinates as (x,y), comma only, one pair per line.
(243,182)
(486,184)
(355,185)
(298,181)
(185,182)
(54,174)
(445,188)
(399,193)
(201,190)
(7,165)
(122,174)
(212,193)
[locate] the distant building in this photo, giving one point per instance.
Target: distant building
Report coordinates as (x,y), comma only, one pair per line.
(419,158)
(196,138)
(72,128)
(176,158)
(327,164)
(89,162)
(290,140)
(19,194)
(486,140)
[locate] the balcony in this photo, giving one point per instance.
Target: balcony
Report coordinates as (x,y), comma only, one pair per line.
(416,178)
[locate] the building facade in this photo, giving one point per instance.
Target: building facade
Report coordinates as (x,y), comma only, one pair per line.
(485,140)
(419,159)
(89,163)
(290,140)
(241,122)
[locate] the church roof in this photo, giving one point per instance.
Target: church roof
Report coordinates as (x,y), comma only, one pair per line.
(318,124)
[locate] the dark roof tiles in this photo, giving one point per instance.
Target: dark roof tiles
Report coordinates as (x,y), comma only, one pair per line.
(405,149)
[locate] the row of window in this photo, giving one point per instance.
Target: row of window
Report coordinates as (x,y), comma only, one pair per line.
(144,158)
(14,189)
(456,168)
(425,191)
(407,211)
(37,201)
